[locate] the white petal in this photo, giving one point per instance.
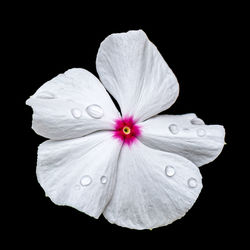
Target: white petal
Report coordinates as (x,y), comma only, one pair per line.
(146,194)
(71,105)
(185,135)
(134,72)
(80,173)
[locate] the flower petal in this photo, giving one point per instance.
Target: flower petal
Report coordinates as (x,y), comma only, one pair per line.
(186,135)
(71,105)
(80,173)
(134,72)
(153,189)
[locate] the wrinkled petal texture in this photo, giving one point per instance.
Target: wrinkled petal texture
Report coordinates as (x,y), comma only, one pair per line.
(185,135)
(80,173)
(134,72)
(61,105)
(147,195)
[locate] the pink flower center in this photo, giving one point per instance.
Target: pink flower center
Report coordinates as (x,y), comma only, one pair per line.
(126,130)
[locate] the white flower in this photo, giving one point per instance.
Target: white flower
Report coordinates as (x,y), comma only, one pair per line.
(137,168)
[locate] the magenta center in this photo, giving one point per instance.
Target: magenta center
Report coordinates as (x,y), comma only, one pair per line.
(126,130)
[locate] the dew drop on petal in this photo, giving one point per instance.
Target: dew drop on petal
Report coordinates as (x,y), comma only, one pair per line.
(150,206)
(77,113)
(197,121)
(169,171)
(85,180)
(45,95)
(95,111)
(192,182)
(173,129)
(201,132)
(104,179)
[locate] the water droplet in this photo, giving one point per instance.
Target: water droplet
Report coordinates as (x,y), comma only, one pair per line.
(197,121)
(201,132)
(104,179)
(77,113)
(77,187)
(150,206)
(169,171)
(173,129)
(85,180)
(95,111)
(192,182)
(45,95)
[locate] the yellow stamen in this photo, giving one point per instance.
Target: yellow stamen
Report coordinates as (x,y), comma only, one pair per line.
(126,130)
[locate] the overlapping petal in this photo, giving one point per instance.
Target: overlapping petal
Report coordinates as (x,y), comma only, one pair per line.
(79,172)
(134,72)
(60,106)
(153,189)
(186,135)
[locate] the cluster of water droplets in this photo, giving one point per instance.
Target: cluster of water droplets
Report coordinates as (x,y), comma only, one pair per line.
(170,172)
(174,129)
(93,110)
(86,180)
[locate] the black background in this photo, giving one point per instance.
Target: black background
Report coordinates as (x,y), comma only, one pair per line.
(198,44)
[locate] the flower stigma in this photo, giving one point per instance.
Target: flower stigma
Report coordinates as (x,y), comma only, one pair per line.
(126,130)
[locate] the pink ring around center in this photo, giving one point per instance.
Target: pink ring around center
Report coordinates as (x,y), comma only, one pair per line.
(118,133)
